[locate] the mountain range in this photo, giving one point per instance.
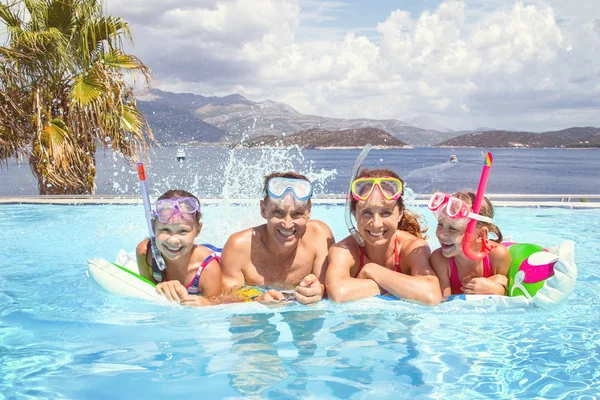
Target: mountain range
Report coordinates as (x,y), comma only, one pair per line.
(177,118)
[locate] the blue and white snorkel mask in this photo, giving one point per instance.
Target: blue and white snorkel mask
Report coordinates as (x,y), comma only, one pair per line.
(299,190)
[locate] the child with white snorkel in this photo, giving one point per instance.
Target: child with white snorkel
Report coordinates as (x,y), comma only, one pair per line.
(466,262)
(192,275)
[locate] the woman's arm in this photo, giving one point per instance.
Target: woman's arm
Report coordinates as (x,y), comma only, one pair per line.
(422,286)
(341,287)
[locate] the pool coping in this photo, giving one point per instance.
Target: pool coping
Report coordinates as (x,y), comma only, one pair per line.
(571,201)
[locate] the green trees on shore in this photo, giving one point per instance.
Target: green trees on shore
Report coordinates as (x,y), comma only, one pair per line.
(66,85)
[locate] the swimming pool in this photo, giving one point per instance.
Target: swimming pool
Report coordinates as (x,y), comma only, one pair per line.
(63,337)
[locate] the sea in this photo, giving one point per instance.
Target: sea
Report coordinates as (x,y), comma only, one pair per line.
(214,172)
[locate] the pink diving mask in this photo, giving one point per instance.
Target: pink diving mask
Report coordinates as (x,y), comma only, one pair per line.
(453,207)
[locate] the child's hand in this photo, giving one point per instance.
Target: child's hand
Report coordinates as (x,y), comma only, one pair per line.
(172,290)
(192,300)
(310,290)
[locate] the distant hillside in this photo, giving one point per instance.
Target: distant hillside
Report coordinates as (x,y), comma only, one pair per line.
(578,137)
(172,120)
(248,119)
(504,139)
(188,118)
(572,137)
(319,138)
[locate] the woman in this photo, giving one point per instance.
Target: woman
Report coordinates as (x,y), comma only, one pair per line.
(393,258)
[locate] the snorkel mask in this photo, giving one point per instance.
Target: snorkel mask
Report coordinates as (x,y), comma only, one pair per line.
(184,207)
(349,224)
(389,187)
(444,205)
(296,190)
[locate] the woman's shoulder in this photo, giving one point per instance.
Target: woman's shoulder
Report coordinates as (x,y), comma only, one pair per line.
(409,240)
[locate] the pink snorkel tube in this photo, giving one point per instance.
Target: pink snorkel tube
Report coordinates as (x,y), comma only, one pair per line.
(469,238)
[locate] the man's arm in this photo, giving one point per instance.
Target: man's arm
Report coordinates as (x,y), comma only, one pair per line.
(312,288)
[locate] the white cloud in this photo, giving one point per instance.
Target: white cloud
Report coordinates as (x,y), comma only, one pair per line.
(495,62)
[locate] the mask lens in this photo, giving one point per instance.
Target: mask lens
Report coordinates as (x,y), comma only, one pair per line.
(362,188)
(454,207)
(390,188)
(164,207)
(188,205)
(436,200)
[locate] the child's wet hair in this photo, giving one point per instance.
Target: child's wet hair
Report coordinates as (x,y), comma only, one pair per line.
(289,175)
(172,194)
(410,222)
(486,209)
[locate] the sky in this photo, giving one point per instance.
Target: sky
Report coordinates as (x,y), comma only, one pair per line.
(518,65)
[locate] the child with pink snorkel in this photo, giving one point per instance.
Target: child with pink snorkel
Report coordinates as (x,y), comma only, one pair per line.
(466,262)
(456,271)
(192,275)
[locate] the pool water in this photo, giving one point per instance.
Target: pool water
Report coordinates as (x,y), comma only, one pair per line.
(61,336)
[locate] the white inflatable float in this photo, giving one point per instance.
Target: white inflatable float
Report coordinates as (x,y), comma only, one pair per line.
(122,277)
(538,277)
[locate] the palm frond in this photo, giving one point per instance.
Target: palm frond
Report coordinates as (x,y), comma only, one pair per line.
(119,60)
(10,19)
(86,88)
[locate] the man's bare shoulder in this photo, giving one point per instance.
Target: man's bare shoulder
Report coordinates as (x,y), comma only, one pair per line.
(317,228)
(242,239)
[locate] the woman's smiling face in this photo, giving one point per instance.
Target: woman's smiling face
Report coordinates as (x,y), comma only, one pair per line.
(377,218)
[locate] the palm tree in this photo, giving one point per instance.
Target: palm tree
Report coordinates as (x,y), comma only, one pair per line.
(66,85)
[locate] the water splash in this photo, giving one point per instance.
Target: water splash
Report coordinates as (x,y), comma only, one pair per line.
(226,175)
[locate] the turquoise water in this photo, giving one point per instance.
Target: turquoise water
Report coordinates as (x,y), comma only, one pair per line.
(61,336)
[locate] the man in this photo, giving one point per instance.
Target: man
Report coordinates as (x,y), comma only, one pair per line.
(288,252)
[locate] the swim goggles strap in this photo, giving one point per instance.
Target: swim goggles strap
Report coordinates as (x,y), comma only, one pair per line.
(481,218)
